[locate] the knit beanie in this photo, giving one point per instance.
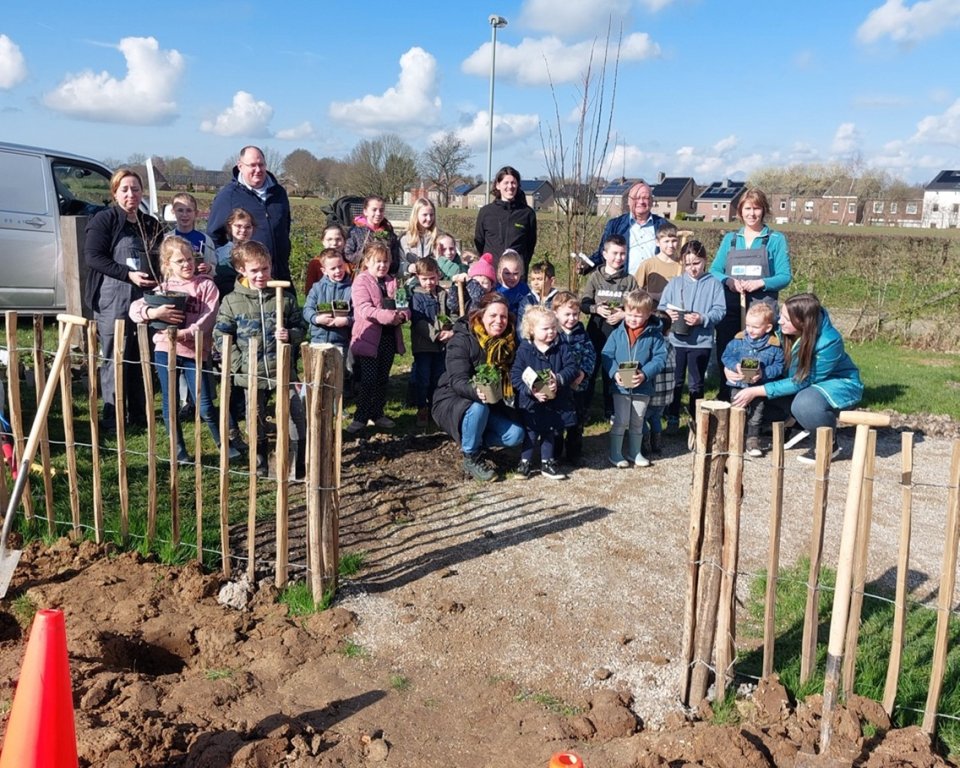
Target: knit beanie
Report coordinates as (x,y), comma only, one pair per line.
(483,267)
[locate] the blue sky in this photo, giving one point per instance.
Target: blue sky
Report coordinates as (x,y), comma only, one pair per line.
(705,88)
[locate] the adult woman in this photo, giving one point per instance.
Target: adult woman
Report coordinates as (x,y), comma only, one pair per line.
(753,264)
(822,379)
(507,222)
(486,335)
(119,242)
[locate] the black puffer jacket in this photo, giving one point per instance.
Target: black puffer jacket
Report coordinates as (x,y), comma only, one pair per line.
(505,224)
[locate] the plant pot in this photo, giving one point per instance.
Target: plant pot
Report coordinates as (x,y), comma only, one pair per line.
(541,384)
(161,299)
(750,369)
(628,374)
(341,309)
(388,304)
(492,392)
(679,326)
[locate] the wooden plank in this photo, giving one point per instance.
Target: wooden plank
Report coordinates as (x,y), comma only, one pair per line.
(811,614)
(16,407)
(314,457)
(40,381)
(903,571)
(93,410)
(773,548)
(226,383)
(331,392)
(282,416)
(948,580)
(174,486)
(69,438)
(253,355)
(143,342)
(119,344)
(198,440)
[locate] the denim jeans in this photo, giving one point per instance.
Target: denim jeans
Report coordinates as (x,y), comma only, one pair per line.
(428,367)
(483,427)
(809,407)
(188,366)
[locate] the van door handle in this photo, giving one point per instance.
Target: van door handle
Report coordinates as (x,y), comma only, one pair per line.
(36,221)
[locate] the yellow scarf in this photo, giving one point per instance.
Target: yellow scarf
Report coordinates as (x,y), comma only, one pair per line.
(500,351)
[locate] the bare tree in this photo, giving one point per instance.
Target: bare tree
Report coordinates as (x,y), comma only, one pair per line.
(273,158)
(382,166)
(176,166)
(444,163)
(574,161)
(302,170)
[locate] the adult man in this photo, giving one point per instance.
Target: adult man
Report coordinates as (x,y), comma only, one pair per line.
(257,191)
(638,227)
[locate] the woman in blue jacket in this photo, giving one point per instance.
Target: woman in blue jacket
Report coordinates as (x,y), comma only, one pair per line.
(822,379)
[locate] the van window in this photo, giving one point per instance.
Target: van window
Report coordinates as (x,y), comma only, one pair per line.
(81,190)
(22,188)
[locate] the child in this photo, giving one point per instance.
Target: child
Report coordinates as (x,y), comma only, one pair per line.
(447,258)
(700,296)
(662,394)
(427,338)
(602,300)
(511,285)
(250,312)
(479,280)
(332,238)
(542,278)
(758,342)
(372,225)
(664,265)
(546,412)
(574,335)
(375,338)
(185,209)
(240,228)
(325,327)
(420,239)
(638,340)
(178,266)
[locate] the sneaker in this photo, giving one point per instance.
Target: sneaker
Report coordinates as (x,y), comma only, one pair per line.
(619,463)
(753,447)
(385,422)
(691,437)
(263,468)
(641,461)
(474,467)
(183,458)
(524,469)
(355,426)
(550,469)
(809,456)
(233,451)
(794,436)
(656,442)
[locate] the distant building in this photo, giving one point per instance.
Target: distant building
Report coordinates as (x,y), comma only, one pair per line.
(718,202)
(432,193)
(882,212)
(539,192)
(673,195)
(612,199)
(200,180)
(840,205)
(477,197)
(458,195)
(941,201)
(575,198)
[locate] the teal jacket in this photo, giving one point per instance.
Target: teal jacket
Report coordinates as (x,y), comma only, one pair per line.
(832,373)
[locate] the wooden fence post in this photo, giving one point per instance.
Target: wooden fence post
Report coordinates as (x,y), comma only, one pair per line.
(198,439)
(40,381)
(69,438)
(773,549)
(314,457)
(253,355)
(119,343)
(93,411)
(16,406)
(226,384)
(903,571)
(143,342)
(172,417)
(282,464)
(331,392)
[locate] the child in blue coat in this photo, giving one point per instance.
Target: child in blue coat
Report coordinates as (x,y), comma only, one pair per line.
(638,341)
(325,325)
(544,400)
(574,335)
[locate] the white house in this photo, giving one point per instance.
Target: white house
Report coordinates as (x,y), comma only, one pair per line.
(941,201)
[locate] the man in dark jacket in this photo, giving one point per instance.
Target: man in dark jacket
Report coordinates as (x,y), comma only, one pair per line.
(257,191)
(638,227)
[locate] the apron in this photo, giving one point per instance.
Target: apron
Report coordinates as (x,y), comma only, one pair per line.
(117,295)
(747,264)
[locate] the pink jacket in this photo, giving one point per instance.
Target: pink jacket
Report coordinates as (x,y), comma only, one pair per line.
(201,313)
(369,317)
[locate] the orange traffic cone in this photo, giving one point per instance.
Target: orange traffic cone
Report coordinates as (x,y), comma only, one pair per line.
(559,760)
(40,731)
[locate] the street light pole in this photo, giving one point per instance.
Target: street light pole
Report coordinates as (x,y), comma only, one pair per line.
(496,22)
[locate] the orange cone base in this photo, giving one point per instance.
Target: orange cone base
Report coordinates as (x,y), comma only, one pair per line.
(41,731)
(559,760)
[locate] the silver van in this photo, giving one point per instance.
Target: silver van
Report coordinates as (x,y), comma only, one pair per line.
(45,199)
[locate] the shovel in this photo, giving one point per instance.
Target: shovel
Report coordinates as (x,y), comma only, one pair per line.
(10,558)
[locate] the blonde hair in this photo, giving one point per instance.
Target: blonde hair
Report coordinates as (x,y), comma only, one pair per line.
(415,232)
(170,247)
(119,175)
(762,311)
(510,255)
(566,299)
(250,251)
(373,249)
(641,300)
(186,197)
(533,315)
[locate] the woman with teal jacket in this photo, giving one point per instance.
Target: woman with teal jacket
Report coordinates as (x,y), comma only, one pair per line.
(822,379)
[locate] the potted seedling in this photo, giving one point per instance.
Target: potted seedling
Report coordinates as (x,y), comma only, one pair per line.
(161,298)
(542,384)
(340,308)
(750,369)
(679,326)
(628,373)
(401,298)
(487,381)
(324,308)
(444,323)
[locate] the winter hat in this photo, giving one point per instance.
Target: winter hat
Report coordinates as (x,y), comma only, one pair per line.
(483,267)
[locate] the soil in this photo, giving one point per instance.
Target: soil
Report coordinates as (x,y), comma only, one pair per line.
(490,624)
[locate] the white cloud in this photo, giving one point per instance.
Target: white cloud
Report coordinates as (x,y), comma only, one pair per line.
(302,131)
(572,16)
(846,139)
(940,129)
(536,61)
(412,102)
(630,160)
(507,130)
(724,146)
(13,67)
(244,117)
(145,96)
(909,24)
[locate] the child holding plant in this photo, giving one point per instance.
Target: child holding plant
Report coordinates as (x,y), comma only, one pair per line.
(372,226)
(430,331)
(375,338)
(662,394)
(541,376)
(574,335)
(178,265)
(327,308)
(448,259)
(755,353)
(602,301)
(633,356)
